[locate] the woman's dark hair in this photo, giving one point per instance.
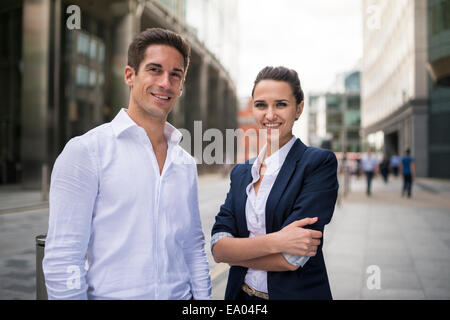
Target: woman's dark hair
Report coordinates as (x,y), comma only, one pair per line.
(150,36)
(282,74)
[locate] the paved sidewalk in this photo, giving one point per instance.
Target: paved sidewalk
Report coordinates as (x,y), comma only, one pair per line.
(14,199)
(407,240)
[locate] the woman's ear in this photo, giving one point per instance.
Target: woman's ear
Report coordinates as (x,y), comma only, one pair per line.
(299,109)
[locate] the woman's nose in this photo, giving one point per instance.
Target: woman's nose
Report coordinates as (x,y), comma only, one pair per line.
(270,114)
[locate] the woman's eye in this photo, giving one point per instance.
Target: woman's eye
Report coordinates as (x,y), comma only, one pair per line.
(281,104)
(260,105)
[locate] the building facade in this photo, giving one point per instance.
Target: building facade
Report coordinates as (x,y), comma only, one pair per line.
(439,87)
(334,116)
(247,141)
(58,81)
(394,80)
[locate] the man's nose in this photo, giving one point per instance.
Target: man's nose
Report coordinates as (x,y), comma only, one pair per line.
(164,80)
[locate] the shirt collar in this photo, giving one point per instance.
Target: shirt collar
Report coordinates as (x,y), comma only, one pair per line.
(172,134)
(122,122)
(275,161)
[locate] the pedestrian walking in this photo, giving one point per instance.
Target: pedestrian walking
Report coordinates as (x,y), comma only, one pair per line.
(123,196)
(394,163)
(409,172)
(358,167)
(384,169)
(369,164)
(271,223)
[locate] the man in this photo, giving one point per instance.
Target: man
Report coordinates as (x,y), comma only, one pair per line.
(409,171)
(123,196)
(370,166)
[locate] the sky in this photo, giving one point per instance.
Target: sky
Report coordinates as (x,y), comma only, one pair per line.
(317,38)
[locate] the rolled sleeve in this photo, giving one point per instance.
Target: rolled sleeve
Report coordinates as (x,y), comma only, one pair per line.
(298,261)
(219,235)
(73,192)
(194,251)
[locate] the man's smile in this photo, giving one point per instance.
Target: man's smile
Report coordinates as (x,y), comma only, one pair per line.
(162,97)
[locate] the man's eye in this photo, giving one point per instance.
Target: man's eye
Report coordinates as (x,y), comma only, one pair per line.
(154,69)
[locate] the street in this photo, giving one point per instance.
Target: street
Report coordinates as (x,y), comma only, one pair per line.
(382,247)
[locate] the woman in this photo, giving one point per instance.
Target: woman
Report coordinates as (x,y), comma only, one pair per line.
(270,227)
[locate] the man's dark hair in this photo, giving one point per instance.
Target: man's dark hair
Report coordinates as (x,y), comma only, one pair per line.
(282,74)
(150,36)
(408,152)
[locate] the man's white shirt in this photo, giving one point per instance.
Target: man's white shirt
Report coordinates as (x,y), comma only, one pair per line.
(138,230)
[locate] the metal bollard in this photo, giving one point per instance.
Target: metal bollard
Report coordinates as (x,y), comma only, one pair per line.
(41,290)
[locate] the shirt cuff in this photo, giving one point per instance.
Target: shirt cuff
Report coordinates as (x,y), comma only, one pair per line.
(219,235)
(298,261)
(202,294)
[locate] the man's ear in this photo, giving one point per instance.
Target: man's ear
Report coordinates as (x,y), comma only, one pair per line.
(129,76)
(299,109)
(181,88)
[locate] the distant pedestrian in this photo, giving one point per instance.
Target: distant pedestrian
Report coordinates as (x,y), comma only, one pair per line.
(395,163)
(369,164)
(384,169)
(409,172)
(358,167)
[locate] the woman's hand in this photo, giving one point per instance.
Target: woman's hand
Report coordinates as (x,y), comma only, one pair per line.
(294,239)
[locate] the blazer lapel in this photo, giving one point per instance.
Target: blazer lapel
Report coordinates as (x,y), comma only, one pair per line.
(282,180)
(242,200)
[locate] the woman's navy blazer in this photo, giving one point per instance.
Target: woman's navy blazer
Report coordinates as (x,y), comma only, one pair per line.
(306,186)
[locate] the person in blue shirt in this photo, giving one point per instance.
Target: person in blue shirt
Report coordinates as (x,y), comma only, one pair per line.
(369,164)
(270,228)
(409,172)
(395,163)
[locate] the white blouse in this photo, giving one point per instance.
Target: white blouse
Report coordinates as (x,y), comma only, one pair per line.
(255,208)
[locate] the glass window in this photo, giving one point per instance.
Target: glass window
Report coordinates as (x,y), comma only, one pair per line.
(93,49)
(83,43)
(352,117)
(82,75)
(170,5)
(334,120)
(352,82)
(446,14)
(353,102)
(101,52)
(101,78)
(334,102)
(352,135)
(92,78)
